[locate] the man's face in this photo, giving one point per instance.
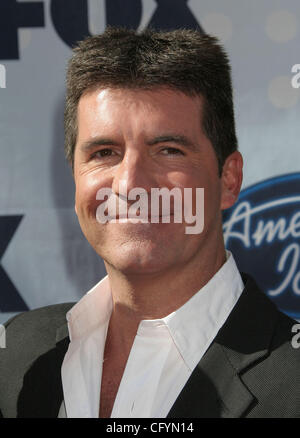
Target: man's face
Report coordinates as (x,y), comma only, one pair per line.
(145,139)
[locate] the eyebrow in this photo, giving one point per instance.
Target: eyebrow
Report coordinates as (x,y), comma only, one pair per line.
(99,141)
(172,138)
(164,138)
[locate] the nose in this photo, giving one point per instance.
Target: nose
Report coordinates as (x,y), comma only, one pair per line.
(134,171)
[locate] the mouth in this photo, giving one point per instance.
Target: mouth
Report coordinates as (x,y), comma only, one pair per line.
(140,219)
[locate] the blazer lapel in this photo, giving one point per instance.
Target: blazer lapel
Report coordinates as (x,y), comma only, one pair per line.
(62,333)
(41,394)
(215,388)
(62,344)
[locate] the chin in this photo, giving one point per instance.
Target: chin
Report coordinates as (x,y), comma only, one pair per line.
(133,261)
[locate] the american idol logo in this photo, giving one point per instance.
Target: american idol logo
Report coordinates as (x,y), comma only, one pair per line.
(262,230)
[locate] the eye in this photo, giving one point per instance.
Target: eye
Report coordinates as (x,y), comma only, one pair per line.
(103,153)
(171,151)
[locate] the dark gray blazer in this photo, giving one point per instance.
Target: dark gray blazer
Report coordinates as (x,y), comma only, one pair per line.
(250,370)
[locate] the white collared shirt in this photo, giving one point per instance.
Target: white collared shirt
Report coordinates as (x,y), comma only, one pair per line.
(163,355)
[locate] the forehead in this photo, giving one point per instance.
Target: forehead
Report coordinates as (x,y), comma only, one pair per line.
(160,106)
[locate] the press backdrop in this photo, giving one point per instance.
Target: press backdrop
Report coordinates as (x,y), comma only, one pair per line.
(44,258)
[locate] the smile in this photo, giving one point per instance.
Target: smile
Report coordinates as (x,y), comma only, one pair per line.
(137,219)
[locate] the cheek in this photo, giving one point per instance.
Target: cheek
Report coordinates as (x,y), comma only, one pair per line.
(212,200)
(212,191)
(85,195)
(177,179)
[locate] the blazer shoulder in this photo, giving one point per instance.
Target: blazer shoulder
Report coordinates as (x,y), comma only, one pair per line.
(272,376)
(268,318)
(54,312)
(40,322)
(33,332)
(31,360)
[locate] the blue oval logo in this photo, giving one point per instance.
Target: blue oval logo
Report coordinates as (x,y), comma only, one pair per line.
(262,230)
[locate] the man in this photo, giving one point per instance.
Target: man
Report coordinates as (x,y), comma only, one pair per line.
(174,329)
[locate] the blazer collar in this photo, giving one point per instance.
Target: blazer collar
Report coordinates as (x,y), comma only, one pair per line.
(215,388)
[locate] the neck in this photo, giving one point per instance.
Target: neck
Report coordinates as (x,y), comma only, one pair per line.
(152,296)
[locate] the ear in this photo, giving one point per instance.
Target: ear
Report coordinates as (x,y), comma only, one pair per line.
(231,179)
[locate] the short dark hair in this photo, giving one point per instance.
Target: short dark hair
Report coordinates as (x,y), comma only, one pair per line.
(183,59)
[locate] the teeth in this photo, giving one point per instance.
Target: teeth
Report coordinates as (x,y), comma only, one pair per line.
(132,220)
(137,218)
